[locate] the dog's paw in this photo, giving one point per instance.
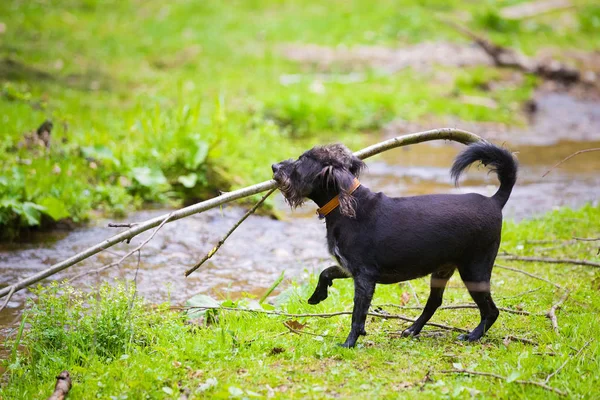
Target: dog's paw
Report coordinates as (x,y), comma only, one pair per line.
(469,337)
(316,298)
(409,332)
(346,345)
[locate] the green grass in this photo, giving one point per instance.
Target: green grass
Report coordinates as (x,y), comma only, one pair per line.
(118,348)
(171,102)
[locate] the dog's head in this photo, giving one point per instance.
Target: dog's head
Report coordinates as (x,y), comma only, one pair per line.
(320,171)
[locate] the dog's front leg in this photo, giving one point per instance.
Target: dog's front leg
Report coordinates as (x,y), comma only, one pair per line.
(363,294)
(325,280)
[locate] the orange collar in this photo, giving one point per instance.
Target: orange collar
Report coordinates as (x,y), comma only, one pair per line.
(335,202)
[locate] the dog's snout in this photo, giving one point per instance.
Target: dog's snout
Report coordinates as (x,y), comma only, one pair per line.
(275,167)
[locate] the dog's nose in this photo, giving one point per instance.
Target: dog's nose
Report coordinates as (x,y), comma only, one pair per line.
(275,167)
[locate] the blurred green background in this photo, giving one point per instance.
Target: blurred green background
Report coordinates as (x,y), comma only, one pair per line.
(157,102)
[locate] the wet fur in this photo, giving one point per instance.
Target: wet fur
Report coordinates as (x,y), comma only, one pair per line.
(378,239)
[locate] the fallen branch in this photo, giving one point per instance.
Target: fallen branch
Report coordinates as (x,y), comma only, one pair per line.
(454,307)
(552,313)
(509,58)
(218,246)
(138,248)
(522,340)
(587,239)
(503,378)
(550,260)
(63,385)
(323,315)
(456,135)
(10,294)
(567,360)
(569,157)
(530,275)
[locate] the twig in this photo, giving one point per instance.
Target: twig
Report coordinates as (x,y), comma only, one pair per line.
(414,293)
(123,225)
(233,228)
(522,340)
(587,239)
(509,58)
(455,307)
(98,270)
(552,313)
(550,260)
(522,293)
(522,382)
(299,332)
(457,135)
(569,157)
(63,385)
(10,294)
(567,360)
(323,315)
(529,274)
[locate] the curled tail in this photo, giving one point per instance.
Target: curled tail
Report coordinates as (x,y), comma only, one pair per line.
(499,160)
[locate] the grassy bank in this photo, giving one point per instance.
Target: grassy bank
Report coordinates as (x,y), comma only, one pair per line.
(115,346)
(156,102)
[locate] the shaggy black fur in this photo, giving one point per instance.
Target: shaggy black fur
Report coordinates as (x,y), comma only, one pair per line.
(378,239)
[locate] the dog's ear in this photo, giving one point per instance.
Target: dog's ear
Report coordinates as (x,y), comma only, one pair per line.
(343,181)
(356,166)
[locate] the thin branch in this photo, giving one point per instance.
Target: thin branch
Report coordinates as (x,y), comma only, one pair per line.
(552,313)
(509,58)
(522,340)
(530,275)
(569,157)
(567,360)
(323,315)
(587,239)
(550,260)
(10,294)
(456,135)
(138,248)
(123,225)
(414,293)
(522,382)
(302,332)
(218,246)
(454,307)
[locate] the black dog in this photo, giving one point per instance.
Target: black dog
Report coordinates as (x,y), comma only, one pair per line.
(378,239)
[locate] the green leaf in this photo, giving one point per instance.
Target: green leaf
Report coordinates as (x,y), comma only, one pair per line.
(200,155)
(189,181)
(273,287)
(100,153)
(167,390)
(200,300)
(513,376)
(32,213)
(149,177)
(235,391)
(54,207)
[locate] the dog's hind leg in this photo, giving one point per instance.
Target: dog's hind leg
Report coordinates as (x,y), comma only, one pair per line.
(363,294)
(439,280)
(325,280)
(476,277)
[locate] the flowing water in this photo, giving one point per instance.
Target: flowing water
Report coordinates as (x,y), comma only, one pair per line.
(254,256)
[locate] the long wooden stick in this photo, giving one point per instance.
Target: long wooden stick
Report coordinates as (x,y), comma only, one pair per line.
(457,135)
